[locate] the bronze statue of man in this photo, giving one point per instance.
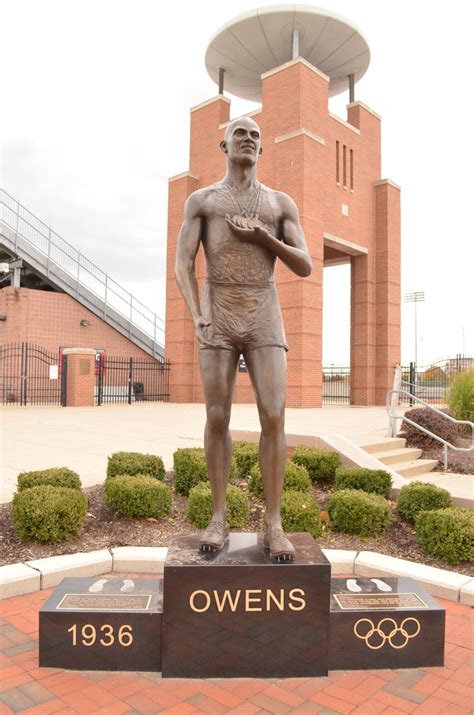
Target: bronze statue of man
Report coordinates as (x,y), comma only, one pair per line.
(244,227)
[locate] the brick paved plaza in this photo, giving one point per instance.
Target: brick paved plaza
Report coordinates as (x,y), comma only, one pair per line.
(26,688)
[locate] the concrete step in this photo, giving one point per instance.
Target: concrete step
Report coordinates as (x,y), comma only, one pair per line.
(414,468)
(383,445)
(397,456)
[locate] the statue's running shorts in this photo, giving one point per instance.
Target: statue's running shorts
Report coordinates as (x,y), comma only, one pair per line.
(243,316)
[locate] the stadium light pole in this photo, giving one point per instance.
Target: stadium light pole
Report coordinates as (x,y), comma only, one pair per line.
(417,297)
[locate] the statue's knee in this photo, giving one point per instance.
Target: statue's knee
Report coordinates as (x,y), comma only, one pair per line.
(272,421)
(218,419)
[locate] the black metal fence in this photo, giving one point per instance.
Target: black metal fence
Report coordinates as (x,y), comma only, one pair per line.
(127,380)
(431,382)
(29,375)
(336,384)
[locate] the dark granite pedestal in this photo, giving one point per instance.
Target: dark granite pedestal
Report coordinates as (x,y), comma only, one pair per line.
(237,614)
(105,629)
(390,623)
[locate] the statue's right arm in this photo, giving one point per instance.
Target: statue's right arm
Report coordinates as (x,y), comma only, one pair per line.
(188,245)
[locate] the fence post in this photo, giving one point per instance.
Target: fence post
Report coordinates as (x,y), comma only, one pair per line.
(24,374)
(130,369)
(412,381)
(100,373)
(81,377)
(397,383)
(63,380)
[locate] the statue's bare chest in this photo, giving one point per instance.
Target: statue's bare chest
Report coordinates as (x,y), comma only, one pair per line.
(228,257)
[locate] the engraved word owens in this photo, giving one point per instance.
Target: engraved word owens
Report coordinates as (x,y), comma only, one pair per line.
(248,600)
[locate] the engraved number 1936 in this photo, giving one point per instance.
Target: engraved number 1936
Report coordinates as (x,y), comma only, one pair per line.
(105,635)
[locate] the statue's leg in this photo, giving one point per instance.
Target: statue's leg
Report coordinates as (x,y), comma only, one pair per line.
(218,371)
(267,369)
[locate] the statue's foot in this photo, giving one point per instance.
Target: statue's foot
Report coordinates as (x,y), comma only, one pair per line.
(214,536)
(281,548)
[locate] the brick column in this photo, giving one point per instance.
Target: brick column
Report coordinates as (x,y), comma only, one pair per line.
(206,165)
(387,285)
(364,267)
(179,344)
(295,96)
(81,377)
(362,330)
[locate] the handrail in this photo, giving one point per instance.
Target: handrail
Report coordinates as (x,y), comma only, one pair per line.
(83,272)
(447,445)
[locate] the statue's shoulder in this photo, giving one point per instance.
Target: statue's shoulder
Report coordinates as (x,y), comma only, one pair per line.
(278,198)
(206,193)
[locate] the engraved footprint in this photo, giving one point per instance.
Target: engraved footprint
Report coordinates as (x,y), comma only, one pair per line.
(381,585)
(97,586)
(128,585)
(353,586)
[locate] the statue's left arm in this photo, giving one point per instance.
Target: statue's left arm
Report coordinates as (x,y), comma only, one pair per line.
(290,245)
(292,248)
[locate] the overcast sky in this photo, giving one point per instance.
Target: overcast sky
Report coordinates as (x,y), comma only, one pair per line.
(95,118)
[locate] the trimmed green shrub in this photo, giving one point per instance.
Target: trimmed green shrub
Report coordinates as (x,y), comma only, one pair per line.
(255,482)
(373,481)
(461,395)
(356,512)
(431,421)
(132,463)
(245,456)
(190,468)
(296,479)
(54,477)
(421,496)
(321,464)
(300,512)
(138,495)
(200,506)
(48,513)
(447,534)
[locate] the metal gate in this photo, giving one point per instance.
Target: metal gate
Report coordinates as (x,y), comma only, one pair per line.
(29,375)
(431,382)
(127,380)
(336,384)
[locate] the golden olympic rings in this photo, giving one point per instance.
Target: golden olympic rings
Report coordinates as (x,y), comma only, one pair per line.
(387,629)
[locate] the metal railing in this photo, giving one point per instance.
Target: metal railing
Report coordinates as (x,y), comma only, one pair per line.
(62,263)
(392,404)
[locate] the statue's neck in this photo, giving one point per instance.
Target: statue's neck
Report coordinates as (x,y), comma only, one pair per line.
(240,177)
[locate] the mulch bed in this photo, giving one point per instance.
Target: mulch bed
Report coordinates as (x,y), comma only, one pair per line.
(458,462)
(104,529)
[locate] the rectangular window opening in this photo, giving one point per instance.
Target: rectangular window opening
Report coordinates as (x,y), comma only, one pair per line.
(344,165)
(352,169)
(338,178)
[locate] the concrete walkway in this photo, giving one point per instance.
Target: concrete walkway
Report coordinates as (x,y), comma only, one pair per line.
(81,438)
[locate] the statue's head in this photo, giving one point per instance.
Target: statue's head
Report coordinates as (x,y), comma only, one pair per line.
(242,141)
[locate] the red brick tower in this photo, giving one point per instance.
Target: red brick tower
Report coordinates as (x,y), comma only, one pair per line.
(331,168)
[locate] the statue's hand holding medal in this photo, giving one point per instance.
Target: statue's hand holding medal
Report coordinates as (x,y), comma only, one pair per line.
(248,228)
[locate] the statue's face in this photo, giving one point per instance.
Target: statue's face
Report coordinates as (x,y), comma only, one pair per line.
(242,142)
